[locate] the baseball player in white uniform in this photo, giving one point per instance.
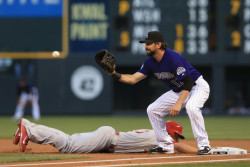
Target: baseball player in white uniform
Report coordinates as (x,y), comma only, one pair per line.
(27,93)
(188,89)
(104,139)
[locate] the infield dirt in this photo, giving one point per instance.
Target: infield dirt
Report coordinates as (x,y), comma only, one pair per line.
(102,159)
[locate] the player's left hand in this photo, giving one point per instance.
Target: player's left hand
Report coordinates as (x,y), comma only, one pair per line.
(174,110)
(106,61)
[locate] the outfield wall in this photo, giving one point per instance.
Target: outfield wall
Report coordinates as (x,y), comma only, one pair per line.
(214,36)
(98,93)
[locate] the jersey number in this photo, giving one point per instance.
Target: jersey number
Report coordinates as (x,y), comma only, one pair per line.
(176,83)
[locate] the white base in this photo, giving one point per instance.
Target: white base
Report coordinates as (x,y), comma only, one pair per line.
(228,151)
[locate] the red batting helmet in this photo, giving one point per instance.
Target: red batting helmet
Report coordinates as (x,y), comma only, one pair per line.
(174,127)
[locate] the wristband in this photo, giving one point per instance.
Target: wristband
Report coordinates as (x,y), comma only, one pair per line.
(117,75)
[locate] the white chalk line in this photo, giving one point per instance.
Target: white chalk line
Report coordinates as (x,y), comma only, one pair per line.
(171,163)
(111,160)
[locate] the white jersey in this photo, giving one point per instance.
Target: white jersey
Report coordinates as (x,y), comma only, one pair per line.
(135,141)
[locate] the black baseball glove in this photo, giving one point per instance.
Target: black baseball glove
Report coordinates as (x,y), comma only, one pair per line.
(105,60)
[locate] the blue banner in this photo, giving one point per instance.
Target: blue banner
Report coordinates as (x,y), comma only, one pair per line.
(31,8)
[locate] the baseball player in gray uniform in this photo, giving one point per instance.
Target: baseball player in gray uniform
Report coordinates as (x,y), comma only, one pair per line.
(104,139)
(188,89)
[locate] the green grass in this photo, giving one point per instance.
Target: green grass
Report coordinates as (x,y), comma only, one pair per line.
(219,164)
(217,127)
(7,158)
(220,127)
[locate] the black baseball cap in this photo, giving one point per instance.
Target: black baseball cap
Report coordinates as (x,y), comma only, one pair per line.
(153,36)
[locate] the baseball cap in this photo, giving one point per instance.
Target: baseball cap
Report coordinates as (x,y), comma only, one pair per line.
(153,36)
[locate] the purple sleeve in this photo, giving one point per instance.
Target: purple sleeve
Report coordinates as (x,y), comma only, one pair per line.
(145,68)
(180,68)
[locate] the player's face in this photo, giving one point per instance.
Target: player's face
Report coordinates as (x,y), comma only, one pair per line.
(150,48)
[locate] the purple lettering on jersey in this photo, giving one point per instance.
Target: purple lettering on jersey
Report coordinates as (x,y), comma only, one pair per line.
(172,69)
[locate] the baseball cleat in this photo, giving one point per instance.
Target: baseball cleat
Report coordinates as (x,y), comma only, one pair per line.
(17,134)
(204,151)
(159,150)
(24,138)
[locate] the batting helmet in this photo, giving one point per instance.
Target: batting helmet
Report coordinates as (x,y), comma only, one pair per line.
(174,127)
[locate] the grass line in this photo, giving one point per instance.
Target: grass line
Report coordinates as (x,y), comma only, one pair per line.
(7,158)
(217,127)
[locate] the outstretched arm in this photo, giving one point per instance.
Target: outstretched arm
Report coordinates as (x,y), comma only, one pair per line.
(184,148)
(107,61)
(130,78)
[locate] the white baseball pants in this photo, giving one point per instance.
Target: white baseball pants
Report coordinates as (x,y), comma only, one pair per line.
(90,142)
(193,104)
(24,98)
